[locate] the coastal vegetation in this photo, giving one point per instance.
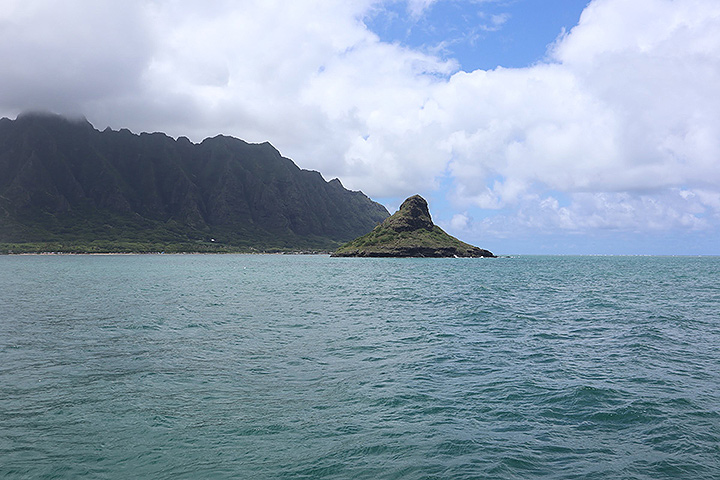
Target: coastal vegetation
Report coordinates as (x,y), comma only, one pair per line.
(67,187)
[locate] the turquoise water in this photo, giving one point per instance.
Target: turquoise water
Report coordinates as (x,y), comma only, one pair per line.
(234,366)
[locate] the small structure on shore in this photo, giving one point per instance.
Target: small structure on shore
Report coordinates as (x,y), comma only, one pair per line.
(409,232)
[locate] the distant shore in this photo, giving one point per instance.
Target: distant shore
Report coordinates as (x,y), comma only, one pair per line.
(149,248)
(313,252)
(27,254)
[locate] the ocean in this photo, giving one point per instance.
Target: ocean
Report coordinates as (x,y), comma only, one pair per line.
(311,367)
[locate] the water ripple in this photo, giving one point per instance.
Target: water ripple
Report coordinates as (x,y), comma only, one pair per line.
(310,367)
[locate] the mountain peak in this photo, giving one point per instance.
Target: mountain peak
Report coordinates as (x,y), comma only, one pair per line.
(413,214)
(409,232)
(45,116)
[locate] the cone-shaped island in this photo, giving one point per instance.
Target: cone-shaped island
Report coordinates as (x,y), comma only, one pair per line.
(409,232)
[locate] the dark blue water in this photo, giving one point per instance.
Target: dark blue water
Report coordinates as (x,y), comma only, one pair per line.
(235,366)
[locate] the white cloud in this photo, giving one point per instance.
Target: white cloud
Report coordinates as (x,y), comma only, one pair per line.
(534,215)
(460,221)
(622,118)
(417,7)
(58,55)
(496,21)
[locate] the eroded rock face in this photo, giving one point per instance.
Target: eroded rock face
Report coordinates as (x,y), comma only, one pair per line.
(410,232)
(413,215)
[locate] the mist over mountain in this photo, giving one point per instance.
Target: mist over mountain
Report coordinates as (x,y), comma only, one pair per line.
(62,180)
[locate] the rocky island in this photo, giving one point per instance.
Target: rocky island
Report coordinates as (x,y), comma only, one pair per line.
(409,232)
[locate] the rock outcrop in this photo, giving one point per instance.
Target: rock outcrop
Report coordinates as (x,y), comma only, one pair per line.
(409,232)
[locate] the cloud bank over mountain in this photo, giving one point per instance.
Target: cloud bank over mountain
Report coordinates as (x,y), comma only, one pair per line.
(616,129)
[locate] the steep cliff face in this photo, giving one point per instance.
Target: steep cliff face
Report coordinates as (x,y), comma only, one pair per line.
(409,232)
(63,179)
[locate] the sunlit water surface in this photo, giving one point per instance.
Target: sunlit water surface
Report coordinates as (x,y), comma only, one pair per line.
(234,366)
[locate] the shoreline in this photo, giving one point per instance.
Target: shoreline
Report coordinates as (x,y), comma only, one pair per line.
(162,253)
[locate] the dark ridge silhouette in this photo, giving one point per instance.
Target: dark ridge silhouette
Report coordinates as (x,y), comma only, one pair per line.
(63,181)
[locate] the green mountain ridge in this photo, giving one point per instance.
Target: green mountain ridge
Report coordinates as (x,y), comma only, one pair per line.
(409,232)
(66,186)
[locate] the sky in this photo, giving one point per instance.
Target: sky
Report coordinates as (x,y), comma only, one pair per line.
(530,126)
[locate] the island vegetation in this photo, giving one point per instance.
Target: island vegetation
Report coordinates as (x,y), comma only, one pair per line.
(409,232)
